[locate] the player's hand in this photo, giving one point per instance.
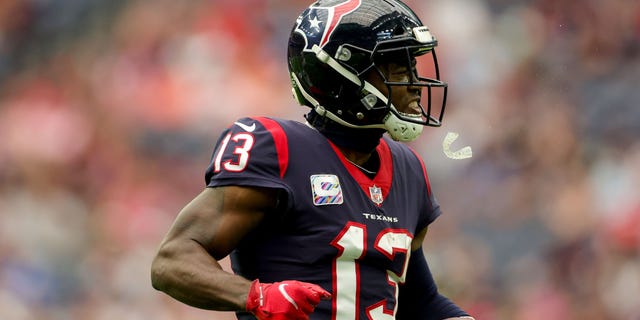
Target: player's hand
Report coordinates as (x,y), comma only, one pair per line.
(286,300)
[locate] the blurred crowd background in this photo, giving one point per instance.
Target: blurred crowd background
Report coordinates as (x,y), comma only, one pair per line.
(109,110)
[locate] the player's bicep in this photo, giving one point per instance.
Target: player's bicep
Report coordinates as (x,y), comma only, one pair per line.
(218,218)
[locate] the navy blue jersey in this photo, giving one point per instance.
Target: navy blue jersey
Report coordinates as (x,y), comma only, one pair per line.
(338,228)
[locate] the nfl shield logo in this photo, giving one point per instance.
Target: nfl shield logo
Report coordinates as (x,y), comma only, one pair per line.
(376,194)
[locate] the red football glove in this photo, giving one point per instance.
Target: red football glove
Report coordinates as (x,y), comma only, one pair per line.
(286,300)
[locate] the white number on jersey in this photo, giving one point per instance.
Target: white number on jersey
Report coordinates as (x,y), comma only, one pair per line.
(244,142)
(352,245)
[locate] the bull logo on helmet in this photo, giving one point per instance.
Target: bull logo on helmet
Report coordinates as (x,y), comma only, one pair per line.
(317,23)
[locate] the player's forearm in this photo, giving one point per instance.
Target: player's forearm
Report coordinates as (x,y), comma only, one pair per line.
(419,295)
(189,274)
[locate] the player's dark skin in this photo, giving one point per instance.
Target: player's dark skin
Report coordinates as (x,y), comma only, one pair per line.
(213,223)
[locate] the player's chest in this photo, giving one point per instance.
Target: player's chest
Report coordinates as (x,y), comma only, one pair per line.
(335,197)
(358,219)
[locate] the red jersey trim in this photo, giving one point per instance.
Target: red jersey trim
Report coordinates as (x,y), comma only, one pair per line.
(424,170)
(383,178)
(281,142)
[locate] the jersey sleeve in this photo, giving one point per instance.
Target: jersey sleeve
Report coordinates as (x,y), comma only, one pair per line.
(251,152)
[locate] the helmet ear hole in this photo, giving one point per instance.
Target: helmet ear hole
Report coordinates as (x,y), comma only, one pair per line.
(369,101)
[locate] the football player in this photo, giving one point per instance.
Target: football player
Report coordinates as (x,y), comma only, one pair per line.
(323,219)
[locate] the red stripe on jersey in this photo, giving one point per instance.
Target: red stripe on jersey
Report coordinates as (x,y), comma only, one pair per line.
(385,174)
(281,142)
(424,170)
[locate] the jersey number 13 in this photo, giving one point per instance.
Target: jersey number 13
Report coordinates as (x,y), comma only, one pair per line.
(351,243)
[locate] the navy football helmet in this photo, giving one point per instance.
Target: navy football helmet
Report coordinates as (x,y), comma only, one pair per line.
(334,44)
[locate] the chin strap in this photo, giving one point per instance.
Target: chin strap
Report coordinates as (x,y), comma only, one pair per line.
(401,130)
